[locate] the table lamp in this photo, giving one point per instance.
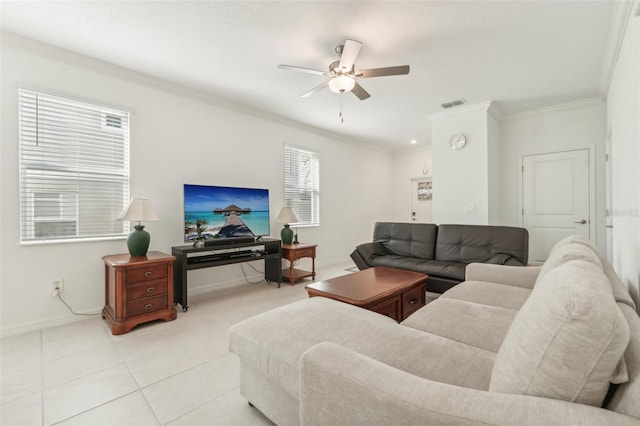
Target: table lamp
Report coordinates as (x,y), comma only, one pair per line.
(287,216)
(140,210)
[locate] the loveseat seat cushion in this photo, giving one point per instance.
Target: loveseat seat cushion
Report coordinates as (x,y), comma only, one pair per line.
(480,326)
(503,245)
(486,293)
(273,343)
(566,340)
(430,267)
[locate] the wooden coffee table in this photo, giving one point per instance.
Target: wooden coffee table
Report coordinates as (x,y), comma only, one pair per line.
(387,291)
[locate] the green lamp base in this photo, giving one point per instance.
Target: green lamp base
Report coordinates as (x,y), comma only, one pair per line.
(138,241)
(286,235)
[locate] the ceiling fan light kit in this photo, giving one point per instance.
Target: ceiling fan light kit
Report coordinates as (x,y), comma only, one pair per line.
(343,73)
(342,84)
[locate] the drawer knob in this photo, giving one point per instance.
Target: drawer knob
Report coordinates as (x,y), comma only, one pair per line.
(147,274)
(150,289)
(413,301)
(147,306)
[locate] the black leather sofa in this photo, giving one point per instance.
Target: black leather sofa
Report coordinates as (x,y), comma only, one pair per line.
(443,251)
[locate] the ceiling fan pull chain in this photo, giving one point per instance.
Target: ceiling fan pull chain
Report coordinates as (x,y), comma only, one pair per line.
(341,115)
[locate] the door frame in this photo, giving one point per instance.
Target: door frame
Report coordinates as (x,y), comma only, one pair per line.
(593,218)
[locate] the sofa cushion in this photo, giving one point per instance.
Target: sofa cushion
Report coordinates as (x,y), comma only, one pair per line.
(407,239)
(274,341)
(473,324)
(477,243)
(566,340)
(486,293)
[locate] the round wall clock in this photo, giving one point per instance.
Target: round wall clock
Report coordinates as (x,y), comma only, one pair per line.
(457,141)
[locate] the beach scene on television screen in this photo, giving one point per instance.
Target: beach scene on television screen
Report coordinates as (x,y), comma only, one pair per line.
(224,212)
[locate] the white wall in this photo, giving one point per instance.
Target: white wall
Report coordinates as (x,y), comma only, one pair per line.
(493,170)
(460,178)
(407,165)
(623,117)
(175,139)
(564,127)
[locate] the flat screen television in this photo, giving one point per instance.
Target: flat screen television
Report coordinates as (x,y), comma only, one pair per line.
(224,212)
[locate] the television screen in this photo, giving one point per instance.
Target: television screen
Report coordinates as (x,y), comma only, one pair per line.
(224,212)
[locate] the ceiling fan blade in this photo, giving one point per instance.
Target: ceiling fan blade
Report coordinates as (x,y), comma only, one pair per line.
(315,89)
(360,92)
(307,70)
(349,53)
(382,72)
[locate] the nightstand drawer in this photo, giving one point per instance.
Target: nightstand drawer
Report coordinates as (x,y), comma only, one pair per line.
(146,289)
(147,305)
(305,252)
(149,273)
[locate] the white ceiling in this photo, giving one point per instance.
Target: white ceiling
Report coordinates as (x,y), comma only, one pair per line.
(521,54)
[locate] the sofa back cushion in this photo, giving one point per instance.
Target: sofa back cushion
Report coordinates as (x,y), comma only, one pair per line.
(503,245)
(407,239)
(567,339)
(562,253)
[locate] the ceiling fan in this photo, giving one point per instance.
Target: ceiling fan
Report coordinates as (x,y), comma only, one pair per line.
(343,74)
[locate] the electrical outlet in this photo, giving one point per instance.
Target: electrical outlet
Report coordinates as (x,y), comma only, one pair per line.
(57,286)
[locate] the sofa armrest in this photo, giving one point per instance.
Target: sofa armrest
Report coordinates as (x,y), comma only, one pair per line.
(520,276)
(341,387)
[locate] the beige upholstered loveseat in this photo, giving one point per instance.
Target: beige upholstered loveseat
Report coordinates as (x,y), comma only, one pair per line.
(511,345)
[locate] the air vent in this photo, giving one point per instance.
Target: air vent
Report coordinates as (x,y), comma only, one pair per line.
(454,103)
(112,121)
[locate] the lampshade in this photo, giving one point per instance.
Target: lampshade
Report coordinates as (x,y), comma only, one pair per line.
(341,84)
(287,215)
(139,209)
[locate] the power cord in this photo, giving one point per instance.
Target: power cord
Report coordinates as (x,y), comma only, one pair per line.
(245,274)
(59,296)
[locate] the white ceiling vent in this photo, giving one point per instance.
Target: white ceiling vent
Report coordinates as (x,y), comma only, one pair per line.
(454,103)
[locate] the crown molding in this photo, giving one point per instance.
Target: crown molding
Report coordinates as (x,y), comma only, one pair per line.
(553,108)
(622,13)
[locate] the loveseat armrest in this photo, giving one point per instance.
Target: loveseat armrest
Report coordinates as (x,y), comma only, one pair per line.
(520,276)
(342,387)
(370,250)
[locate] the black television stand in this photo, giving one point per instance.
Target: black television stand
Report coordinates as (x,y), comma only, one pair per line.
(189,257)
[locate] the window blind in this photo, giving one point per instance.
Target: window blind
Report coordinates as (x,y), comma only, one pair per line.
(302,183)
(74,168)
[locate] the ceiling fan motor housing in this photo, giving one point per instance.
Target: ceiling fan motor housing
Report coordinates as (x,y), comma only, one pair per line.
(333,68)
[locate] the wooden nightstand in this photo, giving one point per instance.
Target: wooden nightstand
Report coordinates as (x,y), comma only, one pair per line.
(293,252)
(138,290)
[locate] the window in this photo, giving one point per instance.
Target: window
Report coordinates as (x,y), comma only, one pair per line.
(302,184)
(74,168)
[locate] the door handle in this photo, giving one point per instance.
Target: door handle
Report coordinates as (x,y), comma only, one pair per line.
(582,222)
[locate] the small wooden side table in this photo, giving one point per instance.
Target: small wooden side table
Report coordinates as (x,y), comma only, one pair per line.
(138,290)
(293,252)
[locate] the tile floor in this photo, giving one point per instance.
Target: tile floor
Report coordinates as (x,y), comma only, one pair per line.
(161,373)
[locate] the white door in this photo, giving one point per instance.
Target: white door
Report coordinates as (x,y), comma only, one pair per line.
(555,199)
(421,200)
